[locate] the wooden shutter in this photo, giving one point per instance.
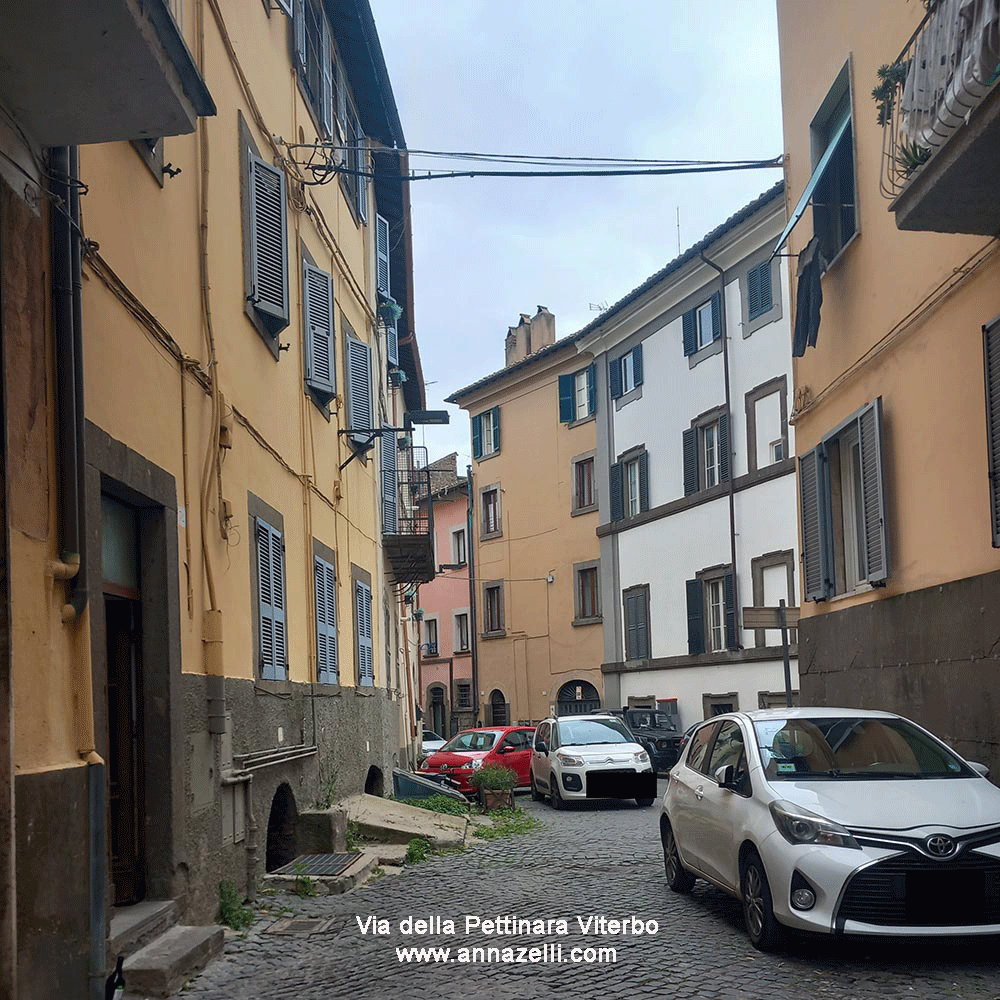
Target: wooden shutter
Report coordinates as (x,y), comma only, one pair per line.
(724,448)
(362,162)
(636,626)
(812,507)
(299,27)
(567,398)
(637,364)
(477,436)
(382,255)
(873,493)
(615,376)
(392,345)
(759,296)
(729,596)
(390,503)
(690,460)
(716,316)
(359,389)
(496,428)
(326,65)
(326,621)
(363,615)
(342,106)
(991,364)
(695,616)
(644,480)
(271,601)
(690,325)
(268,245)
(317,311)
(616,477)
(592,389)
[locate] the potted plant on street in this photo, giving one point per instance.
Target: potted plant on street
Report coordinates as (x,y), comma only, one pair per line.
(495,786)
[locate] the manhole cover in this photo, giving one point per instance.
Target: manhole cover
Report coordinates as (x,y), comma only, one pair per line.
(318,864)
(300,925)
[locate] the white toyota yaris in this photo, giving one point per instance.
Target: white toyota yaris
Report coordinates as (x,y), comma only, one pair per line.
(834,820)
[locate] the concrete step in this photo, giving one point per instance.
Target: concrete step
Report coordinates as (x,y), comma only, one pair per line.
(137,925)
(166,964)
(388,821)
(327,885)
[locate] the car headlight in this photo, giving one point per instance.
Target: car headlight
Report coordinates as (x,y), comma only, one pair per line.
(476,764)
(641,757)
(568,760)
(800,826)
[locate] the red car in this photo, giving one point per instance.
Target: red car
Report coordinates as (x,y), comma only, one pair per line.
(496,746)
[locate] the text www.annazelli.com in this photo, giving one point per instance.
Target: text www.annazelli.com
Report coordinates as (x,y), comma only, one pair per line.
(547,954)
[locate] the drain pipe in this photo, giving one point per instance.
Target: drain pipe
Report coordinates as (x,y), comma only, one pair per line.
(729,414)
(471,567)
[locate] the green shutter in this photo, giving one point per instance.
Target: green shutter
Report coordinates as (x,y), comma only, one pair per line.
(477,436)
(637,364)
(592,389)
(695,616)
(496,428)
(615,376)
(690,327)
(567,404)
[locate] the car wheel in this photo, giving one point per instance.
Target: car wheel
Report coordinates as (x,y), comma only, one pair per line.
(678,877)
(643,803)
(536,795)
(764,931)
(556,798)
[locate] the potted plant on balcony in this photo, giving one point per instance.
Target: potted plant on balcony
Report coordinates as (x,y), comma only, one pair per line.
(495,786)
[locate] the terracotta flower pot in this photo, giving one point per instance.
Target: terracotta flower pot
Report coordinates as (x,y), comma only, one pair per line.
(492,799)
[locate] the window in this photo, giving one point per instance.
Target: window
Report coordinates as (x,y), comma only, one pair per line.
(629,481)
(843,508)
(382,274)
(314,61)
(635,601)
(625,373)
(360,412)
(991,360)
(773,577)
(777,450)
(390,483)
(701,326)
(577,395)
(486,433)
(364,656)
(317,317)
(272,626)
(588,593)
(760,292)
(463,695)
(431,636)
(325,580)
(759,295)
(493,621)
(354,184)
(706,452)
(266,245)
(711,611)
(490,525)
(458,556)
(461,633)
(719,704)
(767,423)
(583,484)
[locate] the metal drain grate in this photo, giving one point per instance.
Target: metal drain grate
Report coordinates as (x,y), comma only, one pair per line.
(300,925)
(319,864)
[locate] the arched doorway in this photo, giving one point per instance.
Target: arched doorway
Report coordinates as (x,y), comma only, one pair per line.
(578,698)
(437,710)
(374,784)
(282,839)
(499,709)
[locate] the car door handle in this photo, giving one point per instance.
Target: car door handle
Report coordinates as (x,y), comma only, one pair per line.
(699,792)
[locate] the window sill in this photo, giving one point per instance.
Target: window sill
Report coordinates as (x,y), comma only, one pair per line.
(327,689)
(589,509)
(582,420)
(488,536)
(461,652)
(364,692)
(577,622)
(272,687)
(488,455)
(708,351)
(502,634)
(627,397)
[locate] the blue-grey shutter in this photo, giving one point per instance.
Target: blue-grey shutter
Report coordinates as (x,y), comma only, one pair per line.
(496,428)
(636,626)
(299,21)
(617,492)
(392,345)
(382,255)
(759,295)
(567,402)
(690,325)
(991,366)
(359,389)
(716,316)
(285,5)
(271,601)
(724,448)
(342,105)
(637,364)
(363,616)
(615,375)
(592,389)
(477,436)
(729,596)
(326,64)
(326,621)
(695,616)
(268,244)
(390,502)
(644,480)
(873,493)
(690,437)
(317,311)
(362,162)
(812,507)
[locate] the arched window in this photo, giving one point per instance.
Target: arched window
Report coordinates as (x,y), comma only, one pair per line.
(499,709)
(438,710)
(578,698)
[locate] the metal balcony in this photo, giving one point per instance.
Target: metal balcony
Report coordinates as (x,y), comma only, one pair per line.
(408,538)
(939,106)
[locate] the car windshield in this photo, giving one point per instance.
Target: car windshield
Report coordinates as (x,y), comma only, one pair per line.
(853,748)
(650,720)
(577,732)
(472,741)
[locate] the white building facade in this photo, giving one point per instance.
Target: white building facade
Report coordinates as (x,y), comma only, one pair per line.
(694,368)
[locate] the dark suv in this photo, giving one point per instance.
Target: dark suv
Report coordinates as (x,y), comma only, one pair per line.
(657,732)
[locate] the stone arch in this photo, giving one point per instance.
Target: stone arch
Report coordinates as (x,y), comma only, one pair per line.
(374,782)
(499,709)
(282,829)
(577,698)
(437,709)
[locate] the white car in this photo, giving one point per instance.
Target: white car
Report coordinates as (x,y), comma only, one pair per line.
(589,757)
(834,820)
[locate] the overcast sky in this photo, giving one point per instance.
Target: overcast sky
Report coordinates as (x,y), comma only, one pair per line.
(666,79)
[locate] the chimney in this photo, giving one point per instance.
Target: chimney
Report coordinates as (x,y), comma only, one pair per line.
(531,334)
(543,329)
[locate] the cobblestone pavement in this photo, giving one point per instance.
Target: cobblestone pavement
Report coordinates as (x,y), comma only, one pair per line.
(593,859)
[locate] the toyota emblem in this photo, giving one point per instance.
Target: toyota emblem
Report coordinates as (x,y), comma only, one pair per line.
(940,845)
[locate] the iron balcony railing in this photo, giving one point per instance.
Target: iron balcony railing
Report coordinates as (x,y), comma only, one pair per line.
(946,69)
(414,486)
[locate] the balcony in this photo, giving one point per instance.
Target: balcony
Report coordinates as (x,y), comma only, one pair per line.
(939,106)
(74,73)
(408,515)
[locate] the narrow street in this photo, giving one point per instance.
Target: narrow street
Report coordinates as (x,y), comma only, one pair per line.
(599,861)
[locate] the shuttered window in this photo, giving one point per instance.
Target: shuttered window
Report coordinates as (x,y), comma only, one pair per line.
(390,503)
(486,433)
(635,604)
(702,325)
(325,579)
(991,358)
(363,622)
(577,395)
(711,612)
(842,506)
(629,485)
(317,311)
(706,452)
(759,295)
(271,602)
(625,373)
(359,391)
(268,246)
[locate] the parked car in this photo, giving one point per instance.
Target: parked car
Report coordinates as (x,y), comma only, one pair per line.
(467,752)
(589,757)
(429,742)
(657,732)
(834,820)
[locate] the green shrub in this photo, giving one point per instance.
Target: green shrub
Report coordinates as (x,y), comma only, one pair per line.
(494,779)
(232,912)
(417,850)
(506,823)
(440,804)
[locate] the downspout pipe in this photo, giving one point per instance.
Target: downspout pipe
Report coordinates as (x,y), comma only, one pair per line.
(470,558)
(729,413)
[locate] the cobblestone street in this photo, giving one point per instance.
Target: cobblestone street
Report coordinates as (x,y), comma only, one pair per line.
(601,860)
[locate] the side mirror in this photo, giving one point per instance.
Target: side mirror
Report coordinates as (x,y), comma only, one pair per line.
(507,748)
(979,768)
(540,747)
(726,777)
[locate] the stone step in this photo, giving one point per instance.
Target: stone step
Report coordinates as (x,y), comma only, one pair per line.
(137,925)
(166,964)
